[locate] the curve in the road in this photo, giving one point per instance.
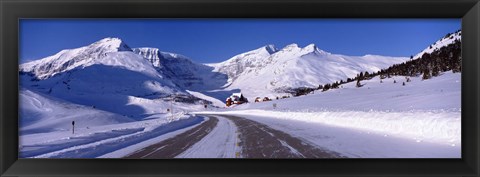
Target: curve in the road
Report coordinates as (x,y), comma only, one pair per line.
(174,146)
(257,140)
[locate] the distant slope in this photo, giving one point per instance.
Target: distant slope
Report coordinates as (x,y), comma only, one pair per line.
(266,71)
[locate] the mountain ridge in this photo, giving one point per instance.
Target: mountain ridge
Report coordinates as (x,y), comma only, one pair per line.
(264,71)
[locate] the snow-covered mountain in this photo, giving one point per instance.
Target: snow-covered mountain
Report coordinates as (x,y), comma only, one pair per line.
(446,40)
(181,70)
(245,62)
(111,66)
(108,65)
(71,58)
(267,70)
(105,75)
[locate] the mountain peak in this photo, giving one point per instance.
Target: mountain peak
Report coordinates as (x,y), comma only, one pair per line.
(107,39)
(71,58)
(291,46)
(112,44)
(313,48)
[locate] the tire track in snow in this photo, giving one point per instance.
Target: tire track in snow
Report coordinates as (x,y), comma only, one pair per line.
(28,151)
(260,141)
(102,147)
(221,142)
(174,146)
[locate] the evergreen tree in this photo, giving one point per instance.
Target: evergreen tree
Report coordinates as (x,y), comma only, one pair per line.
(326,87)
(435,72)
(358,83)
(426,74)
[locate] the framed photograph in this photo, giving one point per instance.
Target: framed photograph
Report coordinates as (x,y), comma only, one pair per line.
(245,88)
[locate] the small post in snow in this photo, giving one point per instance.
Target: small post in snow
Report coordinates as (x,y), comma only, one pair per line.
(73,127)
(171,107)
(274,105)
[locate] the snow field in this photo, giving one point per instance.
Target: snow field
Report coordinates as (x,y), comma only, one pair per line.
(100,140)
(42,113)
(442,93)
(215,102)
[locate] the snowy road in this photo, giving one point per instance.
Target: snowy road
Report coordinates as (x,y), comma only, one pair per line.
(230,136)
(260,141)
(172,147)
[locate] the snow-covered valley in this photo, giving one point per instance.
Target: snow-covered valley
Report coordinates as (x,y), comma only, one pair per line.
(126,102)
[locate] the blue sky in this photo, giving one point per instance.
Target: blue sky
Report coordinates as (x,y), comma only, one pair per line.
(215,40)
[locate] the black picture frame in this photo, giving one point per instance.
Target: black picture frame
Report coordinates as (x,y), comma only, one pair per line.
(11,11)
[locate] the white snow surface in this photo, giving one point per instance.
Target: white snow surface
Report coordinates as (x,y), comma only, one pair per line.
(41,113)
(215,102)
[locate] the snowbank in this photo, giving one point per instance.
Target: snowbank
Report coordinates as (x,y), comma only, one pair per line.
(438,127)
(91,142)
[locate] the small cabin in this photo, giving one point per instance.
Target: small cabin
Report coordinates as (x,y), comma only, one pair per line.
(258,99)
(236,98)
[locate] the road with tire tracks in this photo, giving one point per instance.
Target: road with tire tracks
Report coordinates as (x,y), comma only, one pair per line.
(255,140)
